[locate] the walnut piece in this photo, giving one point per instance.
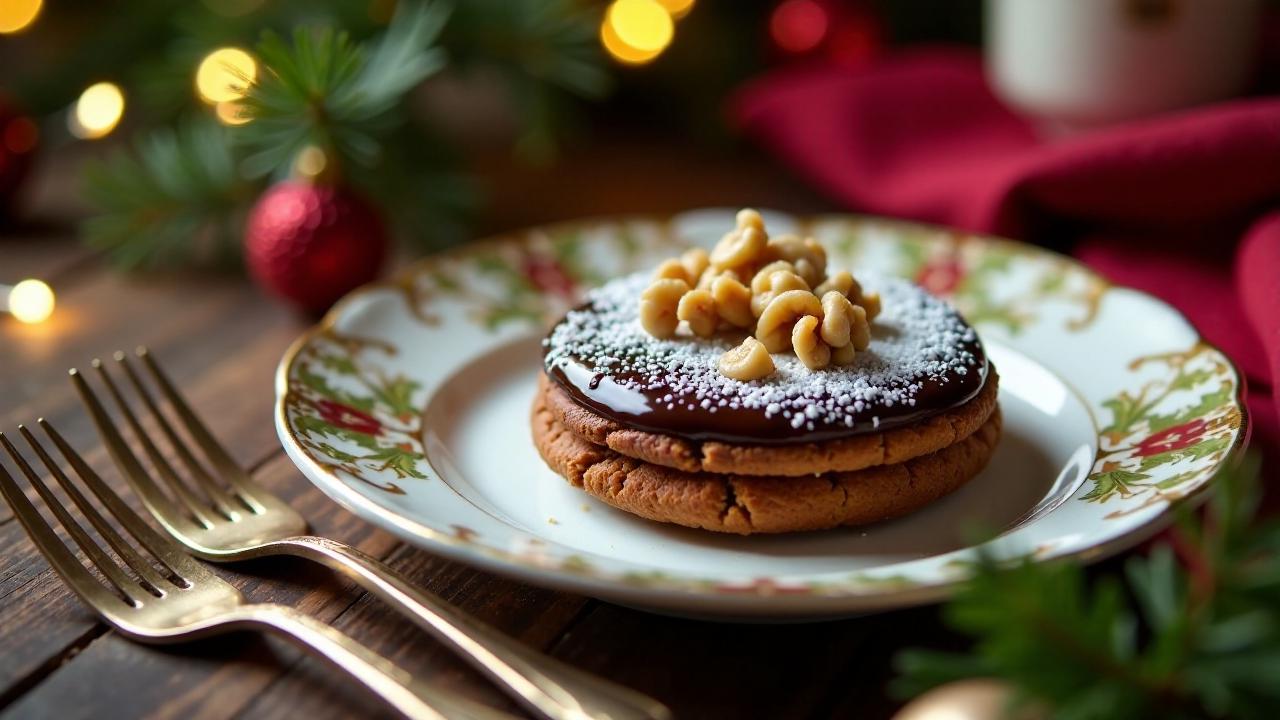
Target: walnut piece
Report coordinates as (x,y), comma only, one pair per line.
(698,308)
(812,351)
(842,282)
(748,217)
(749,361)
(773,328)
(859,329)
(871,303)
(671,269)
(695,261)
(837,318)
(733,302)
(760,281)
(806,254)
(658,305)
(778,282)
(843,355)
(738,248)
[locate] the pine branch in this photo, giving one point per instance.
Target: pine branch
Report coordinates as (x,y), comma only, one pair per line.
(176,200)
(323,90)
(1208,641)
(546,51)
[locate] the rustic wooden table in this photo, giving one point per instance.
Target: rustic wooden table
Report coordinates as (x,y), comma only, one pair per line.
(221,339)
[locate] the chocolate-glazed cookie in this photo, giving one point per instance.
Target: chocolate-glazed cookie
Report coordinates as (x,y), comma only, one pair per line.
(923,360)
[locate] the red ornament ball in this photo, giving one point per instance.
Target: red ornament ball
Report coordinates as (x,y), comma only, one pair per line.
(312,244)
(18,139)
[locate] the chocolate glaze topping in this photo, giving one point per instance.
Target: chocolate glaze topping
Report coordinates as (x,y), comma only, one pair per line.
(923,359)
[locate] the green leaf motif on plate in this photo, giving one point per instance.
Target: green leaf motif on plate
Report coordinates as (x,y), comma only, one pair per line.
(1165,439)
(354,416)
(1114,482)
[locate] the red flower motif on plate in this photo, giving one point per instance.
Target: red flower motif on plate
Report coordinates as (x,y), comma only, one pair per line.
(547,275)
(942,276)
(345,416)
(1174,438)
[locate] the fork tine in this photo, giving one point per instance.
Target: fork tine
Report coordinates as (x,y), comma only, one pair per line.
(64,562)
(122,583)
(128,462)
(223,501)
(213,450)
(140,565)
(162,547)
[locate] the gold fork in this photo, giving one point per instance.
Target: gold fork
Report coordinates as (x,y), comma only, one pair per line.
(238,519)
(171,597)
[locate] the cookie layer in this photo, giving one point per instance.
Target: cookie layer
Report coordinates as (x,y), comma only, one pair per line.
(848,454)
(745,505)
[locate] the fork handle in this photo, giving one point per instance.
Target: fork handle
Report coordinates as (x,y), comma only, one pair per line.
(547,686)
(394,686)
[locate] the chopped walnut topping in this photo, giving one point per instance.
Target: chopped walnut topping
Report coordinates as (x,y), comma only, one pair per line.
(776,288)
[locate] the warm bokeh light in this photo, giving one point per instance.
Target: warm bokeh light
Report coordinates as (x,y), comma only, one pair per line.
(677,8)
(310,162)
(636,31)
(642,24)
(31,301)
(17,15)
(97,112)
(798,25)
(224,75)
(230,113)
(619,50)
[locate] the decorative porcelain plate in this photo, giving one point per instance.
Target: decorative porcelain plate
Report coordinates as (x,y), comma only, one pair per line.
(409,405)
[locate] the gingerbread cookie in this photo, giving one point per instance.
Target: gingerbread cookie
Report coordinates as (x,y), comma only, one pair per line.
(744,504)
(747,390)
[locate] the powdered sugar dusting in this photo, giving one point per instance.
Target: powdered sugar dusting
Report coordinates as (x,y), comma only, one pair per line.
(917,339)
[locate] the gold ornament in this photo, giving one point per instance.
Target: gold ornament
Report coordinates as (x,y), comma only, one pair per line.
(972,699)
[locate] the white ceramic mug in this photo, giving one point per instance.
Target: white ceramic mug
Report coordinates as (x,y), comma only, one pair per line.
(1077,64)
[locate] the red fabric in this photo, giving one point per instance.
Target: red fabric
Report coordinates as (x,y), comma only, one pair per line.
(1181,206)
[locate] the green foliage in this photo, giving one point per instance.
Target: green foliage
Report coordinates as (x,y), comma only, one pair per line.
(1189,640)
(323,90)
(181,196)
(176,199)
(545,51)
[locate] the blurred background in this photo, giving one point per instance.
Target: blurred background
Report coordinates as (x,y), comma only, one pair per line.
(528,87)
(207,176)
(316,143)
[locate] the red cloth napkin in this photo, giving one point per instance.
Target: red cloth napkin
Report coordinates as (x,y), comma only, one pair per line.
(1185,206)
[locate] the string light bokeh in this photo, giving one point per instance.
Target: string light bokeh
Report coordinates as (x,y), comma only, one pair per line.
(97,112)
(30,301)
(635,32)
(311,162)
(677,8)
(224,75)
(18,15)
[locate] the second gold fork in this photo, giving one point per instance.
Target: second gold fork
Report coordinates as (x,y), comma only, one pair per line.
(225,516)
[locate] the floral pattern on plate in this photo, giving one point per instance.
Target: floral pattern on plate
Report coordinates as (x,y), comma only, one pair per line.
(1165,406)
